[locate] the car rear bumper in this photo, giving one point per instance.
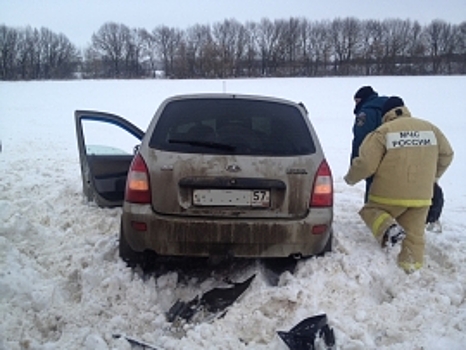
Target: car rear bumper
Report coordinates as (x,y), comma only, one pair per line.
(181,236)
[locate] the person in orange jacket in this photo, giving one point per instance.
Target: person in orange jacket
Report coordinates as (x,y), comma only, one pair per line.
(406,155)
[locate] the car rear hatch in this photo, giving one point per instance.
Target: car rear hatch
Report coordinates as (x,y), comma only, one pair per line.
(232,157)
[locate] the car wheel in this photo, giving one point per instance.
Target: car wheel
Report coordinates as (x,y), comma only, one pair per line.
(128,255)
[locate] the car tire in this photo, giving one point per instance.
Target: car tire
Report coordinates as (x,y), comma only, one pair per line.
(128,255)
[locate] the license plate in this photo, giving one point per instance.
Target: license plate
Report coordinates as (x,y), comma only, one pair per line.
(250,198)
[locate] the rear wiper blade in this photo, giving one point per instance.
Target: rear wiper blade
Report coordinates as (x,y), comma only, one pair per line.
(204,144)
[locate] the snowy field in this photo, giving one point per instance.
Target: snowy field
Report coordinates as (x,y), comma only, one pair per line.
(62,285)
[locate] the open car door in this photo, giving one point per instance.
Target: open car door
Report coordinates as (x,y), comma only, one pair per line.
(106,144)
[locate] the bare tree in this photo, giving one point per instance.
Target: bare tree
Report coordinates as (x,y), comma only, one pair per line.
(229,39)
(8,52)
(396,33)
(441,43)
(36,54)
(251,56)
(268,35)
(62,59)
(414,51)
(460,52)
(371,49)
(303,60)
(167,41)
(198,47)
(134,51)
(109,46)
(27,61)
(319,50)
(290,44)
(345,40)
(148,57)
(241,46)
(284,47)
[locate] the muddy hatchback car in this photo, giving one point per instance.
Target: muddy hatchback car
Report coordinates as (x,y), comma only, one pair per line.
(214,175)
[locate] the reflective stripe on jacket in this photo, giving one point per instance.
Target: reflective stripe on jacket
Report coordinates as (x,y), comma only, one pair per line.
(406,155)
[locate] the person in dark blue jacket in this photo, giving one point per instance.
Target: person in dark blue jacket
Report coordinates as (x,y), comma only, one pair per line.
(368,112)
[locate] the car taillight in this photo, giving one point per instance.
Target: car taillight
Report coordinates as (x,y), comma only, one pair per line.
(137,183)
(322,191)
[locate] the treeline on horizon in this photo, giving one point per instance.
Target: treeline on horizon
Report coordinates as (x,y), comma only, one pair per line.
(295,47)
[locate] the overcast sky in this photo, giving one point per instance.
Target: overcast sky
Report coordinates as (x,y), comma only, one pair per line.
(79,19)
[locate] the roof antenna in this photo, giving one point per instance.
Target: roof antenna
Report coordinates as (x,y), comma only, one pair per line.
(224,86)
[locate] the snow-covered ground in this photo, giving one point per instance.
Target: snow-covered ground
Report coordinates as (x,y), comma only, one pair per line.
(62,285)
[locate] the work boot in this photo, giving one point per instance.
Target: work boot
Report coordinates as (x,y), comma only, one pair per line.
(393,235)
(434,227)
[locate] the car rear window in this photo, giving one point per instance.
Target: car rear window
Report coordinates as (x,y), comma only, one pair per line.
(232,126)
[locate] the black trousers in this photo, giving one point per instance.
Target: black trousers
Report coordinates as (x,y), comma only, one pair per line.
(436,208)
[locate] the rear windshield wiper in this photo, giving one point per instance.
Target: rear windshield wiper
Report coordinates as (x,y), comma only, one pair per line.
(208,144)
